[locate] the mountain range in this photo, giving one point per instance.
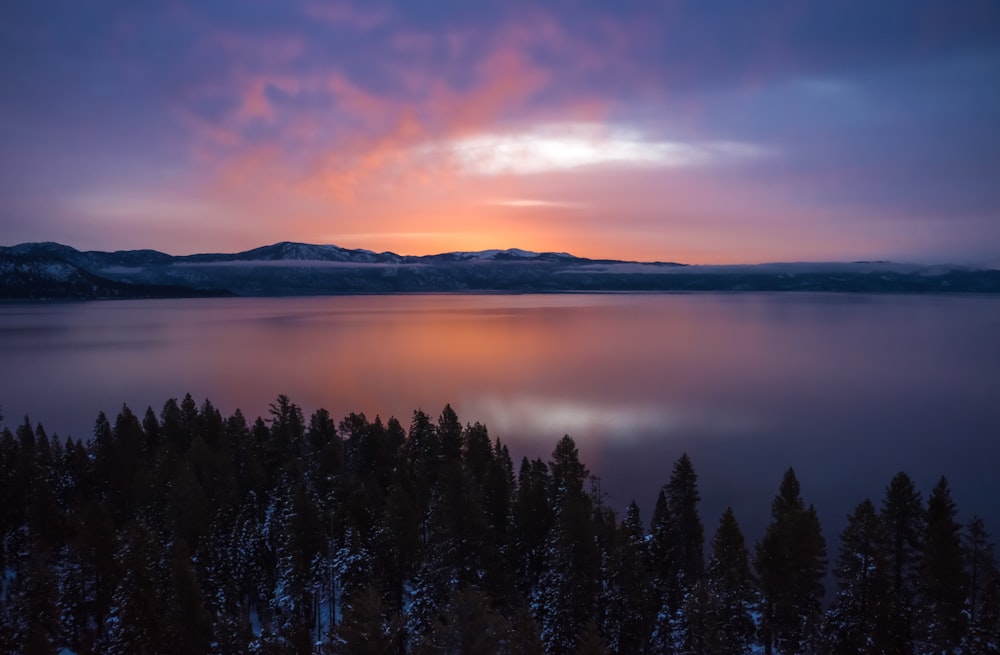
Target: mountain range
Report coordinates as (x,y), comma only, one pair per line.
(40,271)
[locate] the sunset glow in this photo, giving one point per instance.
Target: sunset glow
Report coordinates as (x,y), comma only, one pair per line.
(680,132)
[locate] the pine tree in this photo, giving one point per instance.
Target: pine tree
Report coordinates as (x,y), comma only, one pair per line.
(700,632)
(283,450)
(525,634)
(294,535)
(429,589)
(33,617)
(151,431)
(902,516)
(567,590)
(497,493)
(627,601)
(942,572)
(689,534)
(591,641)
(477,450)
(365,628)
(730,582)
(326,453)
(396,545)
(662,564)
(188,620)
(859,620)
(533,517)
(449,431)
(984,590)
(467,624)
(137,620)
(791,563)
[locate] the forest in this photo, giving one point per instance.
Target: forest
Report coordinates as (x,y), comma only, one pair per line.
(191,532)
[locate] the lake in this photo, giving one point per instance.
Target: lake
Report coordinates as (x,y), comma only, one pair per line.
(848,389)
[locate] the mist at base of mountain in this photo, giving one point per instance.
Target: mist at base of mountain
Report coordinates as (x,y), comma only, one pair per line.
(37,271)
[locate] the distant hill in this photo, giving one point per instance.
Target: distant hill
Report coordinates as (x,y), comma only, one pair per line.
(52,270)
(42,276)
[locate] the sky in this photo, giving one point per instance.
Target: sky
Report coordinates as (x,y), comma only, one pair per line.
(710,131)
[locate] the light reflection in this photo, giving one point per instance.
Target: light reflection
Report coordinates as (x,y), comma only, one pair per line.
(623,422)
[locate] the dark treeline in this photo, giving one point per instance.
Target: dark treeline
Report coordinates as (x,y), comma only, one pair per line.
(191,532)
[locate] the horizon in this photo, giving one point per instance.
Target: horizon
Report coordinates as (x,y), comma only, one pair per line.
(686,133)
(927,264)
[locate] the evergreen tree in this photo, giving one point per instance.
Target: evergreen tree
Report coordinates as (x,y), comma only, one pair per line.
(567,591)
(902,516)
(199,533)
(365,629)
(449,431)
(283,451)
(627,601)
(245,456)
(699,622)
(533,517)
(497,492)
(859,620)
(591,641)
(730,582)
(93,571)
(986,635)
(32,613)
(688,541)
(187,511)
(663,566)
(188,620)
(294,535)
(791,564)
(467,625)
(172,427)
(397,543)
(984,590)
(151,431)
(525,634)
(137,621)
(325,453)
(942,572)
(477,450)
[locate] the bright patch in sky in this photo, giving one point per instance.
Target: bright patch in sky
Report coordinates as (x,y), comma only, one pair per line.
(567,146)
(527,203)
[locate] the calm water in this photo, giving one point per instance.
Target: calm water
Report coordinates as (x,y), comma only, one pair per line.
(848,389)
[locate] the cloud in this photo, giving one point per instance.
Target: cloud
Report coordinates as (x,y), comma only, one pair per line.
(559,147)
(527,203)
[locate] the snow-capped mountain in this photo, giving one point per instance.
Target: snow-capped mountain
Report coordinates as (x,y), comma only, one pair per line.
(38,270)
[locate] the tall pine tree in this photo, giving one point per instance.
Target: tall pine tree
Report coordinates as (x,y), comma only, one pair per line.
(942,572)
(902,517)
(791,563)
(730,582)
(859,621)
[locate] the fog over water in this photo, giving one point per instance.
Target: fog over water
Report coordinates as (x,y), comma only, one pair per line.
(848,389)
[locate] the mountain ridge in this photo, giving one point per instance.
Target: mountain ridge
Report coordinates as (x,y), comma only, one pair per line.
(52,270)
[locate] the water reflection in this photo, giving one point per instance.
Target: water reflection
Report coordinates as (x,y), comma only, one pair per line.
(848,389)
